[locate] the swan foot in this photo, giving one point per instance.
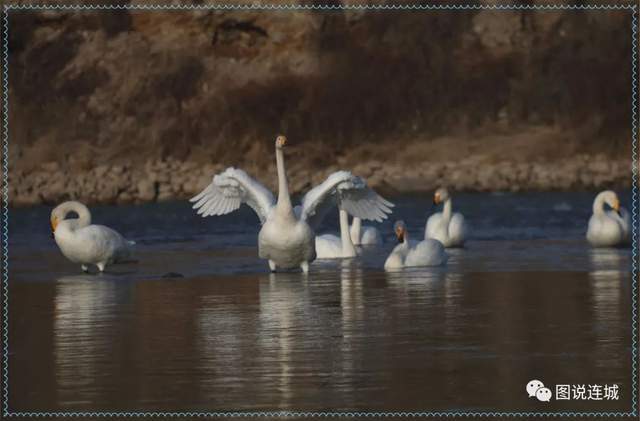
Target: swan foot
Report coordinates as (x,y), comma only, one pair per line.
(305,267)
(272,265)
(85,268)
(101,267)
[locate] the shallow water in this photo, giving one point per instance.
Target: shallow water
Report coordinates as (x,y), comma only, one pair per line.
(198,323)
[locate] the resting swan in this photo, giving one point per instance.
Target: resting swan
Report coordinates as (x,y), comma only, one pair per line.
(608,228)
(364,236)
(87,244)
(428,252)
(287,238)
(450,229)
(329,246)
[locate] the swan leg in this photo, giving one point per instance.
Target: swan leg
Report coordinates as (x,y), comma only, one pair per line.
(272,265)
(305,267)
(101,266)
(85,268)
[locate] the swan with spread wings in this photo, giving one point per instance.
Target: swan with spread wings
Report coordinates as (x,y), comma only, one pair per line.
(287,237)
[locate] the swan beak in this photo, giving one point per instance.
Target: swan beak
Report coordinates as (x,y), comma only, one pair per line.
(436,199)
(281,141)
(54,224)
(616,207)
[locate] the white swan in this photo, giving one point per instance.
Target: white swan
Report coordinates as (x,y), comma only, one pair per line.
(329,246)
(287,237)
(428,252)
(364,236)
(450,229)
(87,244)
(608,228)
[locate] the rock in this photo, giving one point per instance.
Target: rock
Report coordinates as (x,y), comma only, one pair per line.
(50,167)
(147,190)
(122,184)
(170,275)
(165,192)
(101,170)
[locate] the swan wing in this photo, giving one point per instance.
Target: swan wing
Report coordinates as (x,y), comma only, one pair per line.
(105,242)
(624,221)
(427,253)
(457,228)
(606,230)
(230,189)
(370,236)
(350,192)
(328,246)
(433,223)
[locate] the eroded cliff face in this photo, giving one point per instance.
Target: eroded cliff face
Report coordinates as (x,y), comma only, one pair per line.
(215,87)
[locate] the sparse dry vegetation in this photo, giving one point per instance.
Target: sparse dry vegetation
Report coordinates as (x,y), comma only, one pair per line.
(125,88)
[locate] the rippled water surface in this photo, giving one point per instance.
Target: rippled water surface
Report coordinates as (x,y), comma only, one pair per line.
(199,323)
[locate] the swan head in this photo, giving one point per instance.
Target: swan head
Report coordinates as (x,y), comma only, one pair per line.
(57,215)
(441,195)
(611,198)
(281,142)
(400,231)
(60,212)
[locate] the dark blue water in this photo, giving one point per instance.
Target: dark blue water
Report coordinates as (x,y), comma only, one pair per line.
(493,216)
(525,231)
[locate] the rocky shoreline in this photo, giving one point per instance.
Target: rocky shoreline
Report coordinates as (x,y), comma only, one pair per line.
(173,180)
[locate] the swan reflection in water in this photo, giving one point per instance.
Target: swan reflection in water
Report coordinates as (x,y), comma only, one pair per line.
(607,280)
(351,291)
(85,306)
(284,305)
(609,288)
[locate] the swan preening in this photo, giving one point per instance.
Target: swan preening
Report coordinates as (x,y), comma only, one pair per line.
(608,228)
(447,227)
(84,243)
(287,238)
(428,252)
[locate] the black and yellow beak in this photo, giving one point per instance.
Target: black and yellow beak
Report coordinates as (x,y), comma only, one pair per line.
(54,224)
(616,207)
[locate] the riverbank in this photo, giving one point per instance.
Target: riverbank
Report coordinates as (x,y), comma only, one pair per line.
(171,179)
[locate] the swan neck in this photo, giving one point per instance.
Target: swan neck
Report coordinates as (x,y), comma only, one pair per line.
(84,216)
(284,201)
(355,229)
(405,239)
(446,211)
(598,205)
(348,250)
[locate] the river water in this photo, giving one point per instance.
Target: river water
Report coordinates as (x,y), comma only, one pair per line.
(198,323)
